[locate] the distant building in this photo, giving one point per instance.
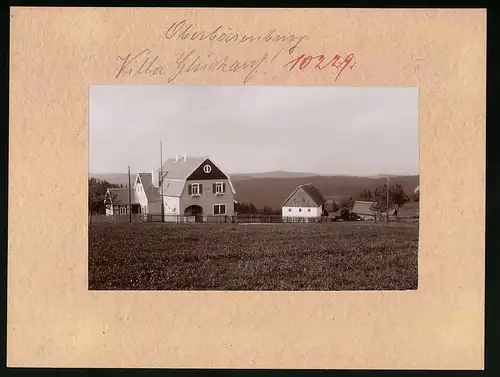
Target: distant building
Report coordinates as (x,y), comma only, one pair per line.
(417,189)
(304,201)
(145,197)
(363,210)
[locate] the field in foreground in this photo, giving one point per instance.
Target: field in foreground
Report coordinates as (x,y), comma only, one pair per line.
(333,256)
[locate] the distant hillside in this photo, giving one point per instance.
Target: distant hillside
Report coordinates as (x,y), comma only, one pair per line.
(273,174)
(273,191)
(116,178)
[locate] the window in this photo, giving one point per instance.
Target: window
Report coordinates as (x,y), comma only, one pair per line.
(194,189)
(219,209)
(289,210)
(219,187)
(123,210)
(300,209)
(309,210)
(207,169)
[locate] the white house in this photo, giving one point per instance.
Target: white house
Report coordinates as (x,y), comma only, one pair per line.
(145,197)
(304,201)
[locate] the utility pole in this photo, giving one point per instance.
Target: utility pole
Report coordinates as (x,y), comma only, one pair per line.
(129,196)
(387,199)
(161,182)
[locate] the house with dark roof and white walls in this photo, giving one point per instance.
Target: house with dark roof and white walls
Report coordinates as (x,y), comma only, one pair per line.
(304,201)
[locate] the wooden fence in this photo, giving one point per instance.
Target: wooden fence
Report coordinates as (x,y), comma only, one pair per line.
(238,219)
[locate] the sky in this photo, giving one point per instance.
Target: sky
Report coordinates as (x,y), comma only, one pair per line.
(249,129)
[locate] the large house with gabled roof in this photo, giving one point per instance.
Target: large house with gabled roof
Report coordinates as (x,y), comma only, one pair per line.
(186,186)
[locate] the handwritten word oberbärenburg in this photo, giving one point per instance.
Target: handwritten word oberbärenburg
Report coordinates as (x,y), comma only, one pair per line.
(183,31)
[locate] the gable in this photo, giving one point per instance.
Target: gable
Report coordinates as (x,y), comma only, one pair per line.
(207,171)
(300,198)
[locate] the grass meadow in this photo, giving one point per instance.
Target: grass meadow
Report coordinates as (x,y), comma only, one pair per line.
(332,256)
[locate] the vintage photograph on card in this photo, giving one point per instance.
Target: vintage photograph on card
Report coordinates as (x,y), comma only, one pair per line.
(297,188)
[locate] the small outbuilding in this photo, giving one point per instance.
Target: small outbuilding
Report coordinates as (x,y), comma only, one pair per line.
(304,201)
(363,210)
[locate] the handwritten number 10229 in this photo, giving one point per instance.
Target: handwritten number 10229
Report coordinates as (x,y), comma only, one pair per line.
(303,61)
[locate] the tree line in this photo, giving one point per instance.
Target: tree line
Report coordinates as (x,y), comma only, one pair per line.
(98,202)
(249,208)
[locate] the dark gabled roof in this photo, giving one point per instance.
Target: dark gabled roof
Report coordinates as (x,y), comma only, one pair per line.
(152,193)
(122,196)
(311,191)
(314,194)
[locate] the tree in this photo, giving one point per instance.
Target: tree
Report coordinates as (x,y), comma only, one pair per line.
(347,203)
(397,198)
(98,202)
(251,208)
(344,214)
(245,208)
(366,195)
(267,210)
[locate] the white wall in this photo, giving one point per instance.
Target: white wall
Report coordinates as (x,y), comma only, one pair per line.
(143,200)
(306,212)
(172,205)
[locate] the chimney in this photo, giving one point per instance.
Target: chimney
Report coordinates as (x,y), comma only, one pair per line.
(176,158)
(185,157)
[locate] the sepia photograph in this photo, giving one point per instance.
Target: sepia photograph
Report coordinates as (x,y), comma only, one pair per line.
(253,188)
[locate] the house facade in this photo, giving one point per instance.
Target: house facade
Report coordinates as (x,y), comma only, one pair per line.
(194,186)
(305,201)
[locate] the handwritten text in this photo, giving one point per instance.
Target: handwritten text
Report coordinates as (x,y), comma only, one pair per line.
(184,31)
(320,62)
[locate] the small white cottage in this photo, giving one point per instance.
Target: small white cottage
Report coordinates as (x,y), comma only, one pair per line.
(304,201)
